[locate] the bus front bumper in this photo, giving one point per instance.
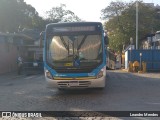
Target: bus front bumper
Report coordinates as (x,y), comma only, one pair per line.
(74,83)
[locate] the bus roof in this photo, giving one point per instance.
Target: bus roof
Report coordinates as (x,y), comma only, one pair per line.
(70,27)
(74,23)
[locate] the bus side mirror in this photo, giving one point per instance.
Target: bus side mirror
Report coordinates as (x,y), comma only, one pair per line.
(106,41)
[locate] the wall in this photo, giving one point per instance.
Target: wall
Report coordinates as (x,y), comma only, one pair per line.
(151,57)
(8,58)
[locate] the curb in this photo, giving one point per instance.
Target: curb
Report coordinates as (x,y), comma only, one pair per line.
(126,70)
(140,72)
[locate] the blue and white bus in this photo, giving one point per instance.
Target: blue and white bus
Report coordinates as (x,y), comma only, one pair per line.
(74,55)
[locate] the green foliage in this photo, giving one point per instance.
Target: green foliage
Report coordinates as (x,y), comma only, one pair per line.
(15,14)
(59,14)
(121,22)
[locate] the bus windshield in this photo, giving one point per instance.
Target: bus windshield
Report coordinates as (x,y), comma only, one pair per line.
(74,51)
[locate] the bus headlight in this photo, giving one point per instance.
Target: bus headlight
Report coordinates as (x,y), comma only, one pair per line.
(100,74)
(48,74)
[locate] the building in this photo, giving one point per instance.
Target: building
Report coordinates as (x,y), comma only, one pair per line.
(12,45)
(151,41)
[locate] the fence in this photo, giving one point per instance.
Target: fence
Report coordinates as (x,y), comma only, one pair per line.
(151,57)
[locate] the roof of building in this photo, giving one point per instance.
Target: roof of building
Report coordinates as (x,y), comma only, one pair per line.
(17,35)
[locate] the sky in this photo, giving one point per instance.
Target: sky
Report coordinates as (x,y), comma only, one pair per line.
(87,10)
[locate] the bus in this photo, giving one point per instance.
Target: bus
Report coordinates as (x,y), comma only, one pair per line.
(74,55)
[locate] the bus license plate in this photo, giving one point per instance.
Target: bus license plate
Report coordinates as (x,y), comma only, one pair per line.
(74,84)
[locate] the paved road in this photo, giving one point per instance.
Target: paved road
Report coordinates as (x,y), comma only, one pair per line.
(124,92)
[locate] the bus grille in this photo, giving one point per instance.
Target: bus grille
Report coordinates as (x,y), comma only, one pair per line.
(74,71)
(73,84)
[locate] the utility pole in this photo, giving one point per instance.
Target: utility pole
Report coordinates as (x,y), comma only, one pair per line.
(136,25)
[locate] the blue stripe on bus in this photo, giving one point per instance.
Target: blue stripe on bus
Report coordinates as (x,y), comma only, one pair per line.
(93,73)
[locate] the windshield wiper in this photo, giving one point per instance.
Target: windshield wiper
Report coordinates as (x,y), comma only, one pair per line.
(82,42)
(64,43)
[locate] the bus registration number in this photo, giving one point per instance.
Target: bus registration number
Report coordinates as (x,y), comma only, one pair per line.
(74,83)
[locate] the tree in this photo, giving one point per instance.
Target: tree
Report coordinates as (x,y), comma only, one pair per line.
(114,24)
(59,14)
(121,22)
(15,14)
